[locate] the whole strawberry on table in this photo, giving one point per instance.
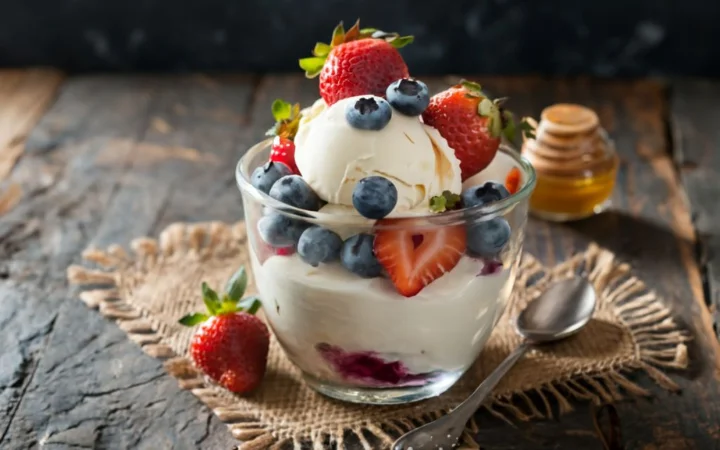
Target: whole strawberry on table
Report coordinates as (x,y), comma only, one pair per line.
(231,345)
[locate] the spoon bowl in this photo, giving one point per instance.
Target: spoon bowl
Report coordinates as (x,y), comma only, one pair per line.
(545,320)
(562,310)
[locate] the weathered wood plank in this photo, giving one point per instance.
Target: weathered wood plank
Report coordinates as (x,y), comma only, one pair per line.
(695,116)
(109,165)
(24,97)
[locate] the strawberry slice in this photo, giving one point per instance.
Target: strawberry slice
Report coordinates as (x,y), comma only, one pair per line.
(512,180)
(415,257)
(283,151)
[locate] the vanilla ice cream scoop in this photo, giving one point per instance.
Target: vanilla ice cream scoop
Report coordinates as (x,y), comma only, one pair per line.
(333,156)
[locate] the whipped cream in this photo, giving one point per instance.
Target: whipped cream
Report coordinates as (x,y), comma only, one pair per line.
(333,156)
(443,328)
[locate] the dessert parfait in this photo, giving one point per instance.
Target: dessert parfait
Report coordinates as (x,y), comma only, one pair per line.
(385,224)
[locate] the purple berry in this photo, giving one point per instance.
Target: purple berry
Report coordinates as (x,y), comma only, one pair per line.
(408,96)
(486,193)
(374,197)
(358,257)
(265,176)
(368,113)
(279,230)
(319,245)
(488,238)
(295,191)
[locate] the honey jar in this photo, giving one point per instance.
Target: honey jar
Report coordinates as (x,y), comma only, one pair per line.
(575,161)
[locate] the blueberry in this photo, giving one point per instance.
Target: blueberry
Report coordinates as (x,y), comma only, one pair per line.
(279,230)
(368,113)
(484,194)
(374,197)
(295,191)
(410,97)
(319,245)
(265,176)
(488,238)
(358,257)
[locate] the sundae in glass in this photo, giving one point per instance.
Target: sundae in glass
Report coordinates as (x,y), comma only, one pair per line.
(385,224)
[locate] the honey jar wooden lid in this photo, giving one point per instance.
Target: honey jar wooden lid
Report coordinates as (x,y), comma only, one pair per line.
(569,142)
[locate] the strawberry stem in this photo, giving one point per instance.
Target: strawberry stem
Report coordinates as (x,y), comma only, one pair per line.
(313,65)
(230,303)
(287,119)
(445,202)
(211,299)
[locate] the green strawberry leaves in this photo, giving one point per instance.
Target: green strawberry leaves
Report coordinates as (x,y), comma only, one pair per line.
(313,65)
(474,89)
(445,202)
(287,119)
(231,301)
(491,110)
(321,49)
(281,109)
(393,39)
(194,319)
(527,129)
(501,122)
(211,299)
(338,35)
(237,284)
(250,305)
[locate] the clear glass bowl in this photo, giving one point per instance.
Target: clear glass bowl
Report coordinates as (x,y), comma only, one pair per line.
(357,339)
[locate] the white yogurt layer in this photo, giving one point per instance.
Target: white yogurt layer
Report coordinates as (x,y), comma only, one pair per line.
(444,327)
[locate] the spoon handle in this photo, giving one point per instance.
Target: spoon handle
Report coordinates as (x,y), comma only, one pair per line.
(473,403)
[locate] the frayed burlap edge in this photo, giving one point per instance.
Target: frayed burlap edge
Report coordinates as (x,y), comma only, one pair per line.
(659,342)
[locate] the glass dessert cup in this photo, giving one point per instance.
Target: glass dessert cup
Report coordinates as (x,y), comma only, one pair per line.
(357,339)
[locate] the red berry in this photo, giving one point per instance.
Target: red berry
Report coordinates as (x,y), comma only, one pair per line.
(415,257)
(512,180)
(475,136)
(285,251)
(362,67)
(232,350)
(283,151)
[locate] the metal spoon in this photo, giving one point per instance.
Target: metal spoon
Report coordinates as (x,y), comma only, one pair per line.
(562,310)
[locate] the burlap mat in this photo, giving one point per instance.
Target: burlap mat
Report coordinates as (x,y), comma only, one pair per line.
(148,292)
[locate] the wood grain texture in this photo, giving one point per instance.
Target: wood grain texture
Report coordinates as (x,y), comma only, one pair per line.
(119,157)
(99,172)
(24,97)
(695,115)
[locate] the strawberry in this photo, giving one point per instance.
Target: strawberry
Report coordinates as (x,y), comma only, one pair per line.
(287,121)
(415,257)
(263,250)
(512,180)
(471,123)
(283,151)
(231,345)
(357,62)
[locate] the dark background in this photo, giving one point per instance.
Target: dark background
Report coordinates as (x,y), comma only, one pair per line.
(565,37)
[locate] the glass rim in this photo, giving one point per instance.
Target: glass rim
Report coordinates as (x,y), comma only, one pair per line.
(448,218)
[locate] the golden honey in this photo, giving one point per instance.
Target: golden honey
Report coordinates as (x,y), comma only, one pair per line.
(575,162)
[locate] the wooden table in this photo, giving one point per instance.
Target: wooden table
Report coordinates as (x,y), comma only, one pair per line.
(103,159)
